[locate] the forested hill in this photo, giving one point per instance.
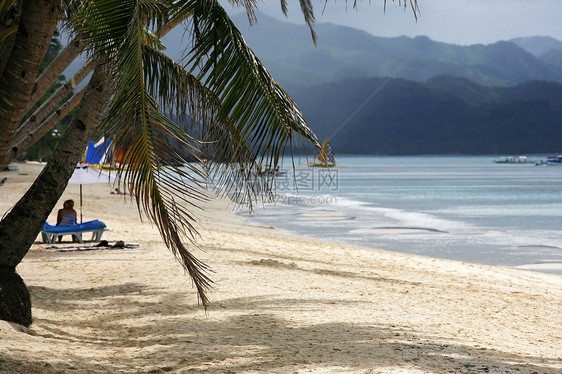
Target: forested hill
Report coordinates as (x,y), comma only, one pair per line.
(343,52)
(445,115)
(374,95)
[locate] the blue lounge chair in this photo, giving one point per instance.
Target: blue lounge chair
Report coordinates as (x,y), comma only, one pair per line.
(50,233)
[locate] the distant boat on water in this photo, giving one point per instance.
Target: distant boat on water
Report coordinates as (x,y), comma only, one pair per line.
(325,159)
(513,160)
(550,161)
(553,160)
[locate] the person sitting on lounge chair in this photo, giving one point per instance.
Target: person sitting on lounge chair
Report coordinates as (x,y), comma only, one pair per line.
(67,217)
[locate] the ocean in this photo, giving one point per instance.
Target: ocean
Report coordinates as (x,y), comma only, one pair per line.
(460,208)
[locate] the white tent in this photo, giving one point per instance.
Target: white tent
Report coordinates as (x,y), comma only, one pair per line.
(83,174)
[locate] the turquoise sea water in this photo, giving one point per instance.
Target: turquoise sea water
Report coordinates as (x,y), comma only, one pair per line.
(461,208)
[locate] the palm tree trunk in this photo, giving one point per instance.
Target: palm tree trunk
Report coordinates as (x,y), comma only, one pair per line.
(29,132)
(37,25)
(5,55)
(26,140)
(31,123)
(55,69)
(20,227)
(33,208)
(169,26)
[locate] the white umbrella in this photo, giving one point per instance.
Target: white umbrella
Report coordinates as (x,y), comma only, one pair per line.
(83,174)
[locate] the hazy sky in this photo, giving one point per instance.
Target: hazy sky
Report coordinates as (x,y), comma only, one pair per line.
(452,21)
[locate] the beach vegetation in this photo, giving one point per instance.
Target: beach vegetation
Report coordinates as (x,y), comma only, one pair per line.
(240,118)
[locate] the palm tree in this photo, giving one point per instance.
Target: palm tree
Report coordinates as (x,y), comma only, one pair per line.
(55,69)
(35,29)
(36,126)
(34,207)
(47,116)
(248,120)
(242,117)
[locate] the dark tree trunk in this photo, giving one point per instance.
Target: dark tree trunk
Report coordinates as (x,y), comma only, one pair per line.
(23,223)
(35,121)
(15,303)
(55,69)
(8,45)
(22,142)
(36,27)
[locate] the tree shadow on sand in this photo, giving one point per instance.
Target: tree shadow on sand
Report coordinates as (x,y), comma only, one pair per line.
(170,335)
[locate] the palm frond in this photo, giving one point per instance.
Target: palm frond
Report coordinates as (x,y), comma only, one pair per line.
(241,116)
(168,195)
(404,3)
(181,93)
(104,23)
(308,13)
(177,90)
(307,10)
(261,112)
(251,6)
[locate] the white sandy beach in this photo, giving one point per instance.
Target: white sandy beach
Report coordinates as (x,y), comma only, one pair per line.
(281,304)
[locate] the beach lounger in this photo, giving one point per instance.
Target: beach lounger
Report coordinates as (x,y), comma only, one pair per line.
(50,233)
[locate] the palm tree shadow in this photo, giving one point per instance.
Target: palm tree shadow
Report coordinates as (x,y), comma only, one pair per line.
(180,338)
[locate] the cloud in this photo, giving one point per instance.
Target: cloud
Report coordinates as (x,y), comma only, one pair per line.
(452,21)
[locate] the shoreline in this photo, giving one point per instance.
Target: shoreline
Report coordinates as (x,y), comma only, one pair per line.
(281,303)
(546,267)
(428,209)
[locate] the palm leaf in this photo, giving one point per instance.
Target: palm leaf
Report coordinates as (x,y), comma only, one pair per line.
(261,112)
(181,93)
(168,196)
(241,115)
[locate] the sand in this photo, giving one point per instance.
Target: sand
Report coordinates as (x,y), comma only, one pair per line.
(280,304)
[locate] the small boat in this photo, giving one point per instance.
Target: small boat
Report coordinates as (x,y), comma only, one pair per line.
(513,160)
(553,160)
(325,159)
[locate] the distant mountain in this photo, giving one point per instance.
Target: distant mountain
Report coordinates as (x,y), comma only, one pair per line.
(553,57)
(402,95)
(344,52)
(475,94)
(445,115)
(538,45)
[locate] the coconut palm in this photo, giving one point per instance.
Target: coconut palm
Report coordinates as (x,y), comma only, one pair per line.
(52,72)
(239,116)
(248,117)
(37,25)
(31,131)
(60,103)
